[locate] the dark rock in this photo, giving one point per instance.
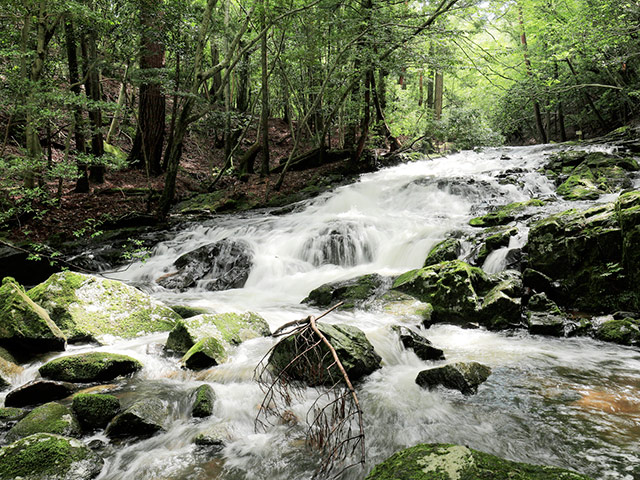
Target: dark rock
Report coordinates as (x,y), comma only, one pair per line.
(624,331)
(497,239)
(142,419)
(38,392)
(49,457)
(203,401)
(465,377)
(507,213)
(422,347)
(545,317)
(354,293)
(448,249)
(48,418)
(457,462)
(18,264)
(90,367)
(217,266)
(206,353)
(352,347)
(501,306)
(186,311)
(95,410)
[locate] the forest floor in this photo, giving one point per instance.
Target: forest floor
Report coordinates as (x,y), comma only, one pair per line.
(125,193)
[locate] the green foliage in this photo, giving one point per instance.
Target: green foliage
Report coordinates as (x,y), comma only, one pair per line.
(466,128)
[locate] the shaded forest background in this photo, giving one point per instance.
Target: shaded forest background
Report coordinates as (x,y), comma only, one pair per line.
(113,107)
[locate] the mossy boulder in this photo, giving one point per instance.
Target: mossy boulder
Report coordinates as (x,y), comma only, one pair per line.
(206,353)
(624,331)
(545,317)
(48,418)
(457,462)
(48,457)
(318,368)
(24,325)
(498,238)
(38,392)
(452,288)
(447,249)
(142,419)
(465,377)
(10,415)
(628,212)
(94,410)
(420,345)
(187,311)
(400,304)
(507,213)
(90,367)
(204,398)
(353,293)
(89,307)
(501,306)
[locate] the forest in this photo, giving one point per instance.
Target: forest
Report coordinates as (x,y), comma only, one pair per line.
(319,239)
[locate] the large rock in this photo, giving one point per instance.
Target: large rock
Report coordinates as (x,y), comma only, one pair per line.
(142,419)
(544,316)
(501,308)
(448,249)
(498,238)
(352,347)
(24,325)
(89,307)
(507,213)
(420,345)
(457,462)
(48,418)
(89,367)
(9,368)
(465,377)
(48,457)
(206,353)
(217,266)
(204,398)
(353,293)
(214,437)
(38,392)
(94,410)
(624,331)
(628,210)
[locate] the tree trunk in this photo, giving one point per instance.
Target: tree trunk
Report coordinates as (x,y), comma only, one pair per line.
(438,96)
(92,88)
(264,117)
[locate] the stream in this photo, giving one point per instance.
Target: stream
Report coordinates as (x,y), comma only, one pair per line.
(572,403)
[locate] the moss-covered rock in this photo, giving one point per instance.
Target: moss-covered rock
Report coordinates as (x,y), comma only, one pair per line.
(207,353)
(90,367)
(48,457)
(545,317)
(38,392)
(400,304)
(421,345)
(11,414)
(465,377)
(353,293)
(350,343)
(447,249)
(628,212)
(501,308)
(624,331)
(204,398)
(94,410)
(24,325)
(85,306)
(214,438)
(498,238)
(187,311)
(142,419)
(452,288)
(507,213)
(48,418)
(456,462)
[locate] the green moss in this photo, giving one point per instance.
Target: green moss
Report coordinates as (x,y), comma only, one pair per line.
(186,311)
(239,327)
(89,367)
(622,331)
(499,239)
(8,414)
(448,249)
(52,457)
(455,462)
(505,214)
(48,418)
(208,352)
(203,402)
(581,185)
(95,410)
(352,293)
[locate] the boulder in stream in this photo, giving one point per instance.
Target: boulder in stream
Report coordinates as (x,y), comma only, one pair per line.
(142,419)
(38,392)
(448,249)
(95,410)
(544,316)
(507,213)
(352,347)
(355,292)
(45,456)
(501,308)
(89,367)
(456,462)
(204,398)
(24,325)
(220,266)
(624,331)
(51,417)
(89,307)
(420,345)
(214,438)
(465,377)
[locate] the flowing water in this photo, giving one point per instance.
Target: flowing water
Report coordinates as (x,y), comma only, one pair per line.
(573,403)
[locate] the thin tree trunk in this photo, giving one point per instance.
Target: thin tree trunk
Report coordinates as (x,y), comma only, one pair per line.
(438,96)
(264,120)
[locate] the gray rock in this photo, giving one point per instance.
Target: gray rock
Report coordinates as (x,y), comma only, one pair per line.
(421,346)
(544,316)
(142,419)
(465,377)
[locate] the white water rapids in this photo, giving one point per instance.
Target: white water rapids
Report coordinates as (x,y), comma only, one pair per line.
(573,403)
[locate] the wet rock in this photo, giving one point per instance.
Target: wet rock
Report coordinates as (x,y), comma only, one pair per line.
(448,249)
(545,317)
(90,367)
(507,213)
(38,392)
(89,307)
(354,293)
(206,353)
(352,347)
(501,306)
(94,410)
(142,419)
(203,401)
(49,457)
(186,311)
(402,305)
(421,346)
(220,266)
(24,325)
(465,377)
(48,418)
(342,243)
(9,368)
(456,462)
(624,331)
(10,415)
(497,239)
(628,210)
(214,438)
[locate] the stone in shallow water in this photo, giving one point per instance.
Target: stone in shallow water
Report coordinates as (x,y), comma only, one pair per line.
(203,402)
(95,410)
(421,346)
(142,419)
(48,418)
(38,392)
(90,367)
(465,377)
